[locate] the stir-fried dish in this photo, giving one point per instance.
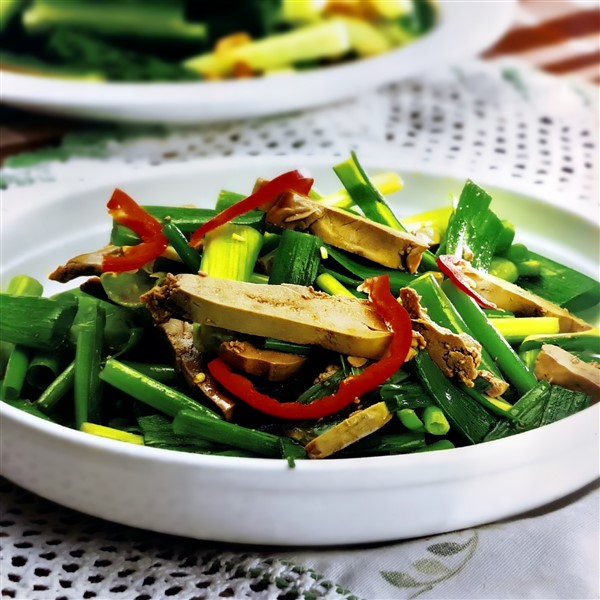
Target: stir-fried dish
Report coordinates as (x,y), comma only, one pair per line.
(291,324)
(187,40)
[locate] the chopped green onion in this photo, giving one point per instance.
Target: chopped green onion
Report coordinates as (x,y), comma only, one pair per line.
(510,364)
(40,323)
(473,229)
(385,183)
(57,390)
(111,433)
(88,362)
(194,424)
(467,417)
(189,256)
(16,372)
(297,259)
(230,252)
(504,269)
(516,329)
(437,445)
(328,283)
(149,391)
(409,418)
(435,421)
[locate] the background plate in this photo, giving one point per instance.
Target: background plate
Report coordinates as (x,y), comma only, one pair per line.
(261,501)
(456,37)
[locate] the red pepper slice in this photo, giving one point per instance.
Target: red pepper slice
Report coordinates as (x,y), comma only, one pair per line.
(292,180)
(449,266)
(126,211)
(397,321)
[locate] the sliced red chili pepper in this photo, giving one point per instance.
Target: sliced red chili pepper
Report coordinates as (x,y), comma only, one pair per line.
(449,266)
(126,211)
(292,180)
(397,321)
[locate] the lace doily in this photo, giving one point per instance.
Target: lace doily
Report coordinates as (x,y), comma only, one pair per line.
(502,119)
(49,552)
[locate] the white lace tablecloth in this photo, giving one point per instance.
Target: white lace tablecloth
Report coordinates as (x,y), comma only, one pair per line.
(499,121)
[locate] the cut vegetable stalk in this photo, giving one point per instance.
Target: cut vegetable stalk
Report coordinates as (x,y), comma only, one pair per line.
(563,403)
(434,421)
(515,330)
(409,418)
(196,425)
(437,445)
(230,252)
(23,285)
(318,41)
(473,229)
(112,433)
(159,372)
(88,363)
(379,445)
(562,285)
(57,390)
(365,194)
(297,260)
(44,367)
(436,219)
(465,415)
(510,364)
(158,20)
(39,323)
(328,283)
(385,183)
(159,396)
(526,413)
(189,256)
(227,199)
(576,342)
(16,372)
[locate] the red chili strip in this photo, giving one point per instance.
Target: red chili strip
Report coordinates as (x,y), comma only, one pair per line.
(398,323)
(450,266)
(126,211)
(292,180)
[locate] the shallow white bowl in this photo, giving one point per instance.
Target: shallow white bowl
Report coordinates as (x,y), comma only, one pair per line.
(464,30)
(262,501)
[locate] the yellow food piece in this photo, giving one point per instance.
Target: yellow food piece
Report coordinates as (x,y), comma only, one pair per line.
(112,433)
(324,40)
(357,426)
(386,183)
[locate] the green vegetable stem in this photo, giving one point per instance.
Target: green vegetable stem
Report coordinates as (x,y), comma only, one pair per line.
(159,396)
(500,350)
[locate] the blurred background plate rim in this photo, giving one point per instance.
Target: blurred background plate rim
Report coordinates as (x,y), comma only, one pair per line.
(464,30)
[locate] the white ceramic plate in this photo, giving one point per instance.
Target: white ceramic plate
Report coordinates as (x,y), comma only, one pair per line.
(262,501)
(464,30)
